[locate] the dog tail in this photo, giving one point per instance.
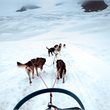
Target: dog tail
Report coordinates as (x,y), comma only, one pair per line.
(20,64)
(47,48)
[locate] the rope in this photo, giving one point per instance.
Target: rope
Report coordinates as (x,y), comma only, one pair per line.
(53,83)
(43,81)
(47,87)
(55,58)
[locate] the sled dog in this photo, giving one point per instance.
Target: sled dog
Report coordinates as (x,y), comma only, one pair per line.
(61,69)
(31,65)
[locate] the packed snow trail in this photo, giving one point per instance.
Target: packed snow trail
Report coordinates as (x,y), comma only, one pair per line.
(86,76)
(84,80)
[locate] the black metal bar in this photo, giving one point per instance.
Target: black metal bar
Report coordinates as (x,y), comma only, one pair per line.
(46,91)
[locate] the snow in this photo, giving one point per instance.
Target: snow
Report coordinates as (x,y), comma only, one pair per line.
(24,36)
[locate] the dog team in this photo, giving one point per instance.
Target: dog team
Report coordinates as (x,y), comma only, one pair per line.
(39,62)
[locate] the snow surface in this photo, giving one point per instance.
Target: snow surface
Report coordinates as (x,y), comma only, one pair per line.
(24,36)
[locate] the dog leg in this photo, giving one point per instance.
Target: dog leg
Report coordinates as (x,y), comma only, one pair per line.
(63,78)
(37,71)
(64,71)
(48,53)
(58,75)
(30,79)
(33,73)
(52,53)
(28,70)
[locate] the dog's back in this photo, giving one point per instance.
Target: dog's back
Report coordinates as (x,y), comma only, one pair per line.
(33,61)
(40,62)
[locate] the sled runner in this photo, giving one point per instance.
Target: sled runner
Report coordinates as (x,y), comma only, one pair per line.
(50,105)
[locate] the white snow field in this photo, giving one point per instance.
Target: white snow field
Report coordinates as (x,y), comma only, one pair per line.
(25,35)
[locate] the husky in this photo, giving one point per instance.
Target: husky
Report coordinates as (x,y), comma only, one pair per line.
(61,69)
(31,65)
